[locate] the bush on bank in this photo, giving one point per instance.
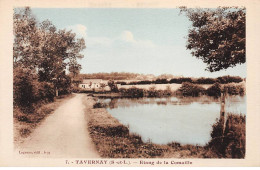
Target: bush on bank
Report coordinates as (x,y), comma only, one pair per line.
(187,89)
(228,142)
(28,90)
(190,89)
(214,90)
(234,89)
(151,92)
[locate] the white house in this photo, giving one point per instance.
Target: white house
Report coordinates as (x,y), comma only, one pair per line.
(90,84)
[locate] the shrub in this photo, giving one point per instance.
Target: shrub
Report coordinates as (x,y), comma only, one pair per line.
(161,81)
(181,80)
(234,89)
(113,86)
(121,82)
(45,91)
(24,87)
(142,82)
(189,89)
(205,81)
(229,79)
(63,83)
(145,82)
(231,143)
(24,132)
(113,131)
(168,91)
(152,92)
(99,105)
(28,90)
(132,92)
(214,90)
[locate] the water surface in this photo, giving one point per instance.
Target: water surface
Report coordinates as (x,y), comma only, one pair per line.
(186,120)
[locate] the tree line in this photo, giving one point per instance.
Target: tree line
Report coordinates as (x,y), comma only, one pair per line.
(180,80)
(114,76)
(42,58)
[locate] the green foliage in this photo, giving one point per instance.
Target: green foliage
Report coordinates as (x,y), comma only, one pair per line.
(161,81)
(217,36)
(41,54)
(26,38)
(24,87)
(229,79)
(214,90)
(189,89)
(151,92)
(234,89)
(46,91)
(27,89)
(63,83)
(179,80)
(41,47)
(231,143)
(99,105)
(132,92)
(112,86)
(203,80)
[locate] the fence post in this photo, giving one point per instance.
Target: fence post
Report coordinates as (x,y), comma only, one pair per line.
(57,92)
(222,110)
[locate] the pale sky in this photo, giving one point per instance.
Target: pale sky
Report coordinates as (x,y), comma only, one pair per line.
(149,41)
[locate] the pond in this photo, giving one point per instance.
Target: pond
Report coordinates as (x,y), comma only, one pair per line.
(186,120)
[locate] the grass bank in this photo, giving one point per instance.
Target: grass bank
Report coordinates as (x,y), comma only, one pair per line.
(113,140)
(27,119)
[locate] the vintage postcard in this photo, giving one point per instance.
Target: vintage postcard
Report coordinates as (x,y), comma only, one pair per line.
(129,83)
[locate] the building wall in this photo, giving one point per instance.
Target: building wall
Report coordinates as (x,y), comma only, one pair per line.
(88,86)
(94,85)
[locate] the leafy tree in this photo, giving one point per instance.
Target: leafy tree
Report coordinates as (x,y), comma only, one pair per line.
(45,50)
(74,68)
(217,36)
(58,47)
(42,47)
(26,48)
(112,86)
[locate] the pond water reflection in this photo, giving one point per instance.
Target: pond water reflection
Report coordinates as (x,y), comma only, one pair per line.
(187,120)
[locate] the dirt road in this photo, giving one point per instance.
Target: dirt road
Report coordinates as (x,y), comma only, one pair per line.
(62,134)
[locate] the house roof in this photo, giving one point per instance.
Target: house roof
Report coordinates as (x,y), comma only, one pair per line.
(92,81)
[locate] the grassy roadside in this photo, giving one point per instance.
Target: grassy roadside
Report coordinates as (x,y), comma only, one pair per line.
(24,122)
(113,140)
